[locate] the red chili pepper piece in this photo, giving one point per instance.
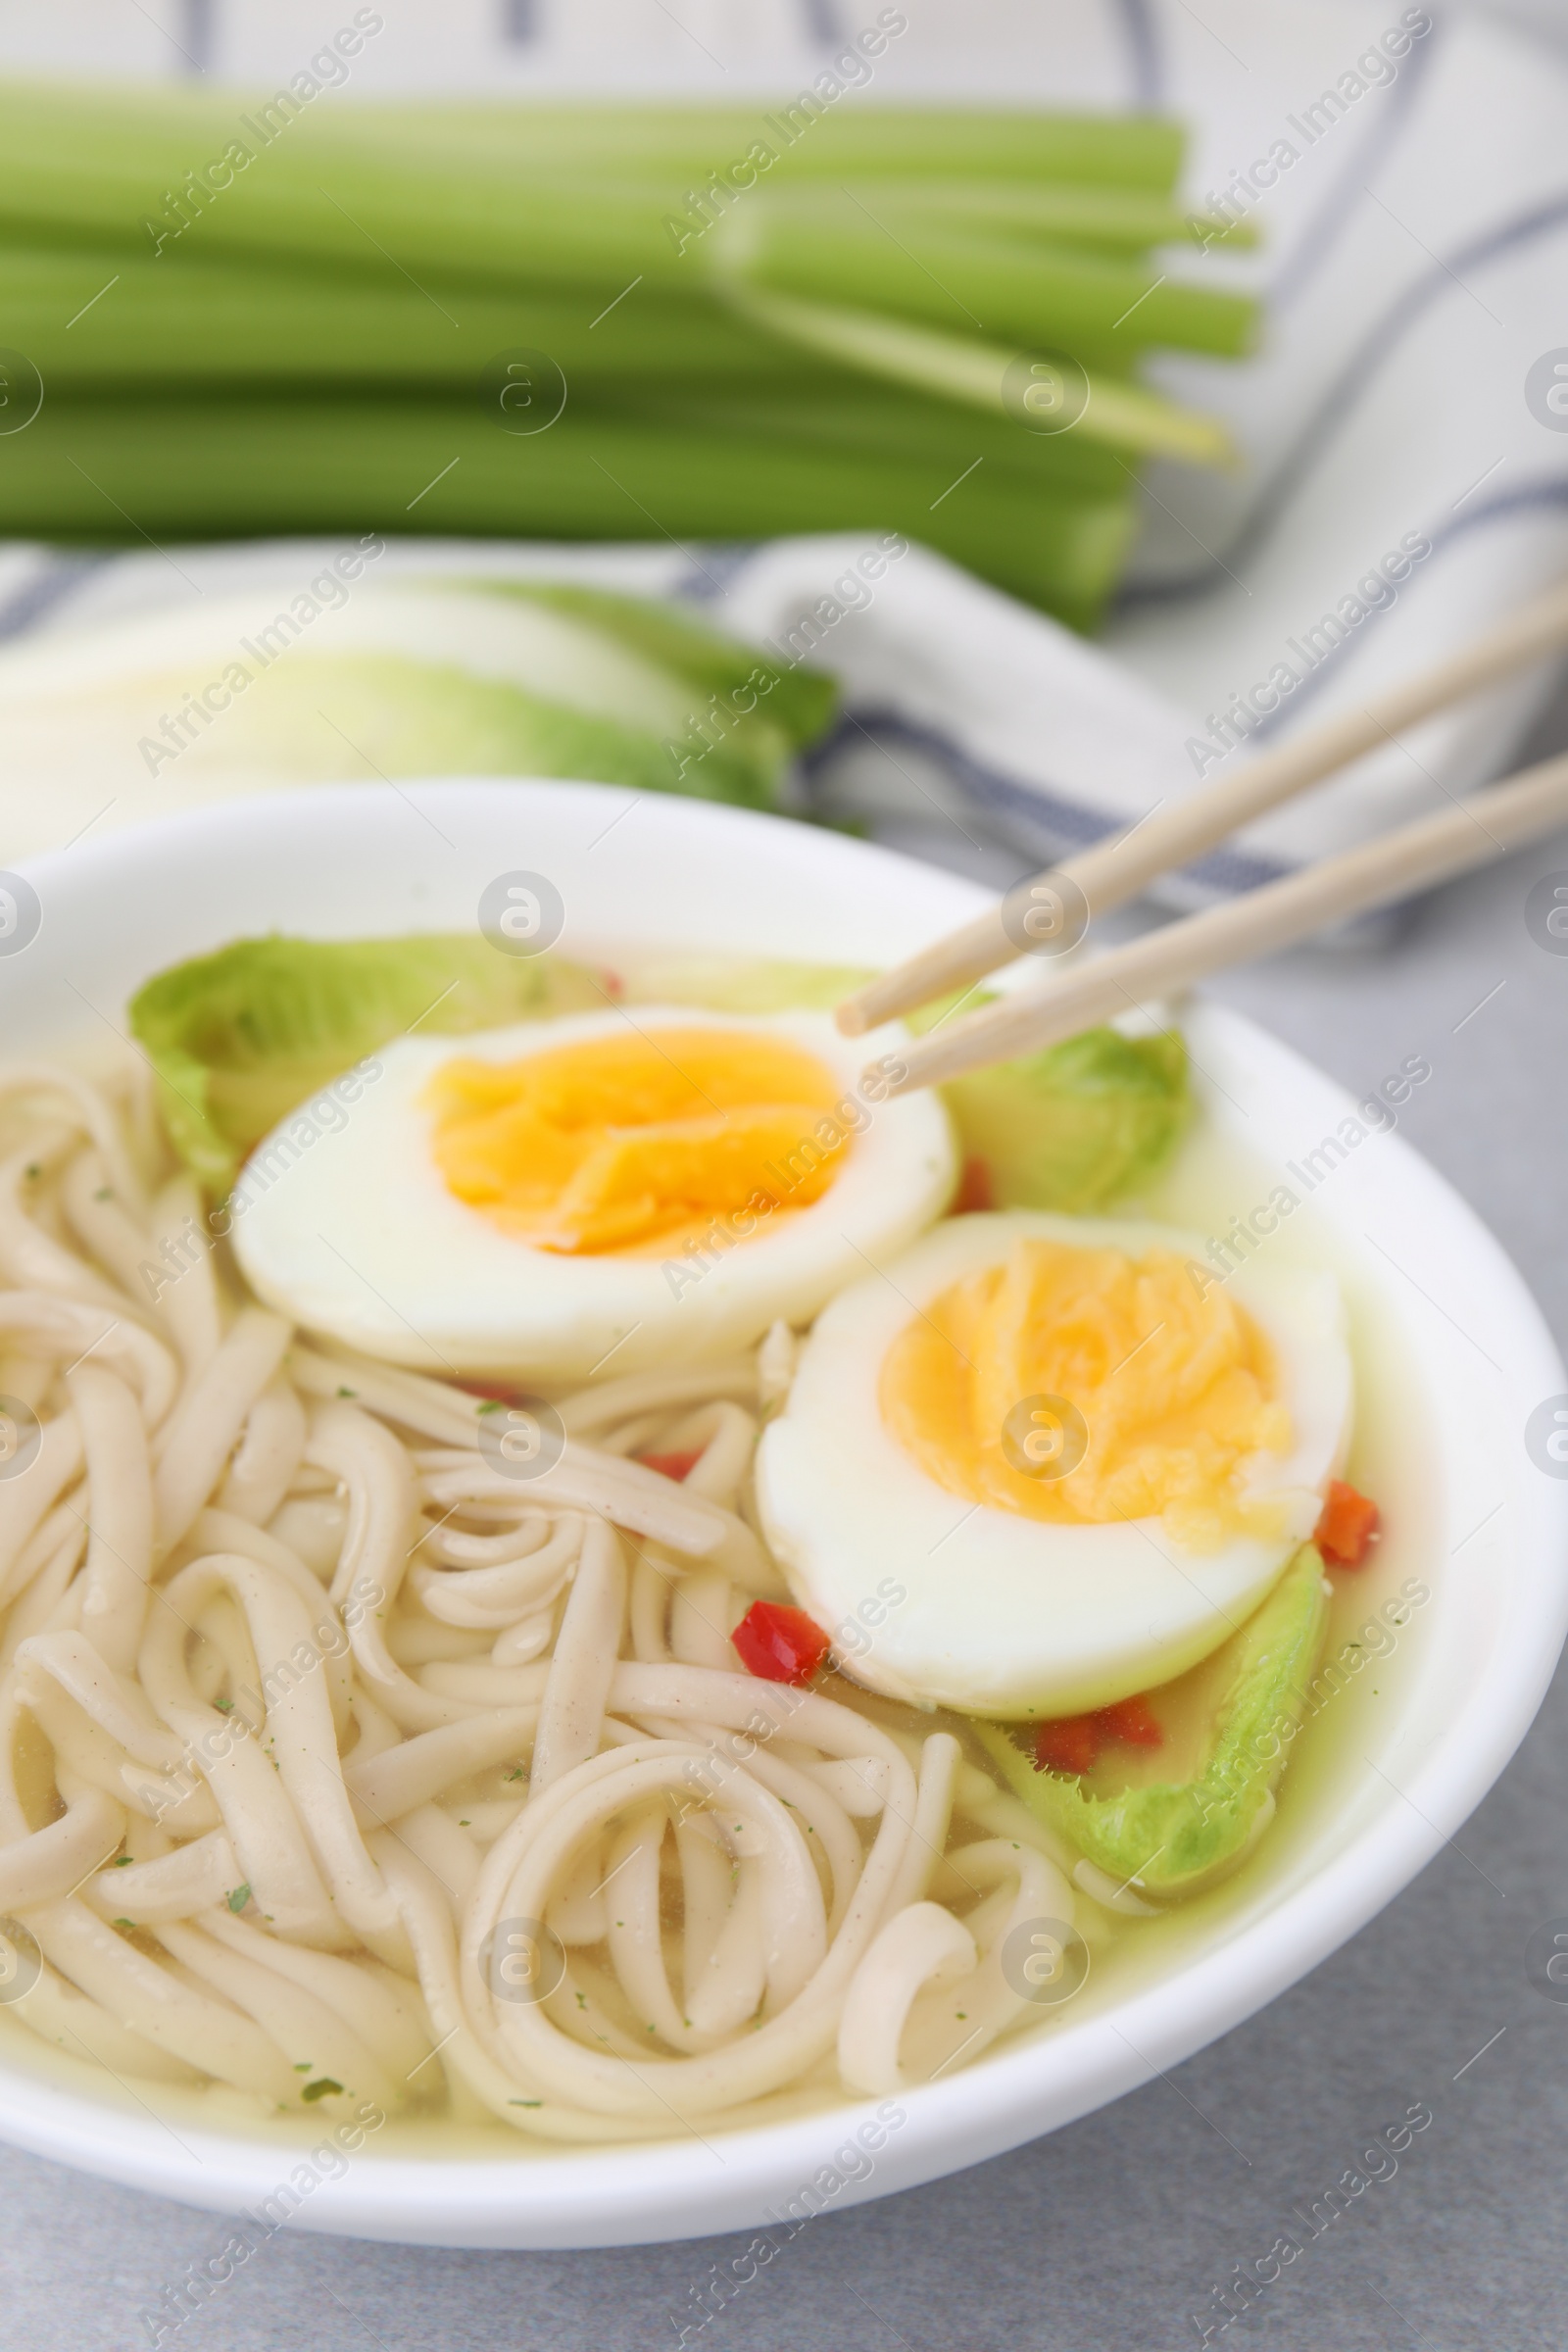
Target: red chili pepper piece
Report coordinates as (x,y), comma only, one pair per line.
(780,1645)
(497,1391)
(673,1465)
(1070,1743)
(1131,1722)
(975,1191)
(1348,1528)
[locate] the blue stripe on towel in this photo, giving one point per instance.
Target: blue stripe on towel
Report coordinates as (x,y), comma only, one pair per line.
(57,578)
(1322,233)
(1068,825)
(1144,56)
(1524,498)
(823,23)
(200,43)
(712,574)
(1355,378)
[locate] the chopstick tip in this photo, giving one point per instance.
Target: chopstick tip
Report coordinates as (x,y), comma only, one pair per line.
(881,1080)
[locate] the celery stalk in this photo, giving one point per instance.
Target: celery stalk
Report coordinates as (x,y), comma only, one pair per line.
(1121,415)
(90,316)
(1086,304)
(86,168)
(769,317)
(1108,220)
(150,467)
(919,142)
(879,423)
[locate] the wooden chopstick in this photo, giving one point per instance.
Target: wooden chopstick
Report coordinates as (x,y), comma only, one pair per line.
(1414,858)
(1114,871)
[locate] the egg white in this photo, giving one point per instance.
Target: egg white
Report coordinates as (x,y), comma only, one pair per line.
(1005,1615)
(355,1234)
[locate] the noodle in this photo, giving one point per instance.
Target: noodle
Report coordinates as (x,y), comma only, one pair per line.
(337,1763)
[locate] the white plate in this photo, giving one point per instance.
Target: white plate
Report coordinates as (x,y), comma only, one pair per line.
(1452,1351)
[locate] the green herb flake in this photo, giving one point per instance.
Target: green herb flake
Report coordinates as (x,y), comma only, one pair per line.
(224,1706)
(322,2088)
(348,1392)
(303,2066)
(492,1405)
(105,1192)
(125,1923)
(525,2102)
(237,1899)
(122,1861)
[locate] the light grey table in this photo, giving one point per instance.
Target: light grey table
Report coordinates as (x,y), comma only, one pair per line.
(1105,2237)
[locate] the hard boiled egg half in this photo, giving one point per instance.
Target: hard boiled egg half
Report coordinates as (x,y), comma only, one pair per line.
(1040,1463)
(599,1194)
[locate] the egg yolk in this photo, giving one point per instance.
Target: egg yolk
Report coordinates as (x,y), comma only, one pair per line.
(635,1143)
(1172,1390)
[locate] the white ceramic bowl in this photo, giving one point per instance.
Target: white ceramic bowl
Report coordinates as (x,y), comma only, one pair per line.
(1453,1355)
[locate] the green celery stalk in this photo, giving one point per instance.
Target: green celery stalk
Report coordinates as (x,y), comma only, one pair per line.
(219,324)
(1041,295)
(958,367)
(880,424)
(251,325)
(776,318)
(86,317)
(1108,220)
(122,181)
(329,188)
(154,466)
(1143,153)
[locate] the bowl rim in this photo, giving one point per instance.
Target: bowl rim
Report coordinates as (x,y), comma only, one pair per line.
(638,2192)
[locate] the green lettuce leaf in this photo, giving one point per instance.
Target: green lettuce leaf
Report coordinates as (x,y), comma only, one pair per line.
(1070,1128)
(790,709)
(1170,1838)
(241,1037)
(402,677)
